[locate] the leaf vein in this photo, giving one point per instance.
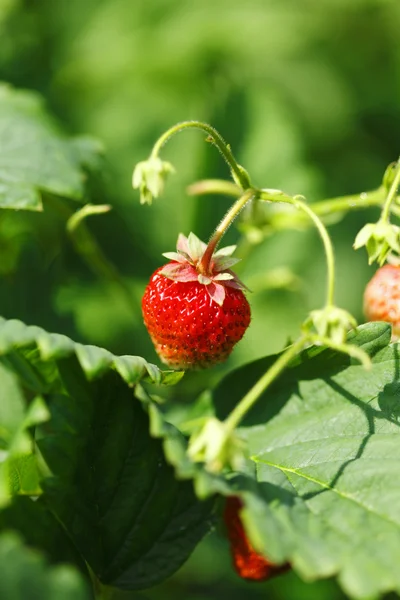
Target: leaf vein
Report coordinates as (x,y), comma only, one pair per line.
(325,485)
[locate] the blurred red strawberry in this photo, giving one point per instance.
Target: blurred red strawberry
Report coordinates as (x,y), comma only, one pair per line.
(248,563)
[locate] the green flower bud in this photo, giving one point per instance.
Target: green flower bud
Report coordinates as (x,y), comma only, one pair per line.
(217,446)
(149,177)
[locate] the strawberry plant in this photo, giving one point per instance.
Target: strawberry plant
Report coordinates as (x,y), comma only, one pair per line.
(108,482)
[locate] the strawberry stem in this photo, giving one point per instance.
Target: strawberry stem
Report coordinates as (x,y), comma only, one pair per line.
(89,249)
(238,173)
(330,257)
(248,401)
(236,208)
(214,186)
(391,194)
(351,202)
(263,383)
(324,207)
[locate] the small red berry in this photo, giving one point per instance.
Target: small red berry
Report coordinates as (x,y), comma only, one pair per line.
(195,320)
(382,297)
(247,562)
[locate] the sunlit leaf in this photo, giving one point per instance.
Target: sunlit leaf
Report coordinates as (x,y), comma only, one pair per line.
(18,468)
(324,441)
(35,156)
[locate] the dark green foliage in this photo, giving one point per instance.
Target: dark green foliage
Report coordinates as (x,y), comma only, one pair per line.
(105,478)
(24,575)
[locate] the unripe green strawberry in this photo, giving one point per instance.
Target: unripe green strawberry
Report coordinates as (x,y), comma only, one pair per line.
(195,320)
(382,297)
(248,563)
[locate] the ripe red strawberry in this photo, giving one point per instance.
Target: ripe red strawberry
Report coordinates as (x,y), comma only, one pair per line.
(247,562)
(382,298)
(195,320)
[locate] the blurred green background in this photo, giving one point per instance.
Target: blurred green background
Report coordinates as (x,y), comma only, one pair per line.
(307,92)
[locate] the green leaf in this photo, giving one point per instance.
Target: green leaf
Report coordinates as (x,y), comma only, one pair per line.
(32,519)
(321,488)
(23,475)
(34,156)
(106,477)
(18,468)
(325,442)
(32,354)
(12,407)
(24,573)
(371,338)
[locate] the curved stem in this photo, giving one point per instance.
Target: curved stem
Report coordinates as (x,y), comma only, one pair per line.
(238,172)
(321,208)
(262,384)
(89,249)
(222,228)
(330,257)
(392,193)
(351,202)
(247,402)
(214,186)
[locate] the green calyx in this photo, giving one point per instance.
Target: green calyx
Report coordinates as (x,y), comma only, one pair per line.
(217,446)
(186,261)
(330,322)
(380,239)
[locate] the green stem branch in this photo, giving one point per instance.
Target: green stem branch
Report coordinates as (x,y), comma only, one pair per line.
(238,173)
(226,222)
(322,208)
(263,383)
(392,193)
(330,257)
(351,202)
(88,248)
(214,186)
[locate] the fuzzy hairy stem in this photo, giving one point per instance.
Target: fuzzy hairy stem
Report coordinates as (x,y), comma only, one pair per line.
(226,222)
(214,186)
(322,208)
(215,137)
